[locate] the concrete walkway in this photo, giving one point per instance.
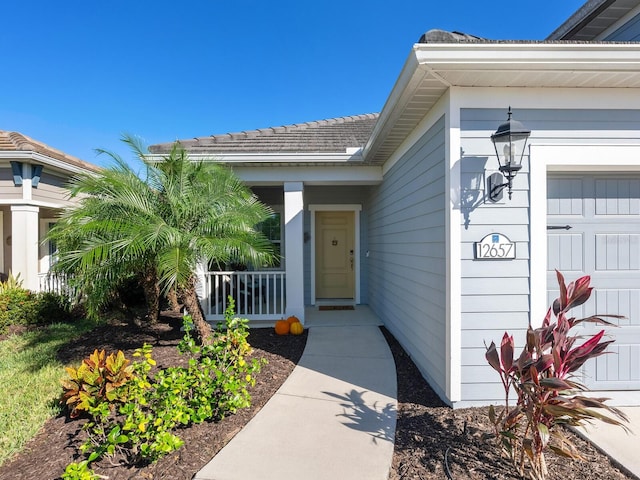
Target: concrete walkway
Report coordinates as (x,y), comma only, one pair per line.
(333,418)
(622,447)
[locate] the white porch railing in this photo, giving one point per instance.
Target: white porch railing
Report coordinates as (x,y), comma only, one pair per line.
(257,295)
(55,283)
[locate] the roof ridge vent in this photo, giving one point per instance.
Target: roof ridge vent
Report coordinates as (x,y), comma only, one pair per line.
(443,36)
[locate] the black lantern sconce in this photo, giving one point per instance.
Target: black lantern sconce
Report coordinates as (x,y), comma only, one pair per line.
(509,141)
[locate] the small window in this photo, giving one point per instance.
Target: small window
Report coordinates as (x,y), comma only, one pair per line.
(272,229)
(53,248)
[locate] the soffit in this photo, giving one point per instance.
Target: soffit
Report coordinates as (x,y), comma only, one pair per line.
(433,68)
(593,19)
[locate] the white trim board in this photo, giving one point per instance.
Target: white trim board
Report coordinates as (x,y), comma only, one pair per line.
(563,158)
(453,251)
(548,98)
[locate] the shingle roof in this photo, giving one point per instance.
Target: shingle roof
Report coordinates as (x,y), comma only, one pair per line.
(333,135)
(15,141)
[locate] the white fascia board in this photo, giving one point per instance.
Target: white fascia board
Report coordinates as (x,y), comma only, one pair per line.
(530,56)
(310,175)
(270,158)
(33,203)
(35,157)
(409,79)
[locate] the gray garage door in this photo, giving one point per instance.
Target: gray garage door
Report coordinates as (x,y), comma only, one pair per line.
(604,242)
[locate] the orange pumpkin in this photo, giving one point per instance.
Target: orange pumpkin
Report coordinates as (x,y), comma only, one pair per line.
(292,319)
(296,328)
(282,327)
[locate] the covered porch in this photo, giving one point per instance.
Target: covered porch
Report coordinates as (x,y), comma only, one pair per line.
(273,292)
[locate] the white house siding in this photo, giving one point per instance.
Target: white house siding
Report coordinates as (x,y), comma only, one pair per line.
(629,32)
(336,195)
(495,294)
(6,233)
(51,189)
(7,189)
(407,268)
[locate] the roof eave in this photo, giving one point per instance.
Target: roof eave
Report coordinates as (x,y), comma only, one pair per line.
(271,158)
(36,157)
(432,69)
(587,12)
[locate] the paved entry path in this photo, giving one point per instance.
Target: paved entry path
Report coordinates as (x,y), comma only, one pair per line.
(333,418)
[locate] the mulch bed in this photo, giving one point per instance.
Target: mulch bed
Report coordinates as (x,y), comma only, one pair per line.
(426,428)
(47,455)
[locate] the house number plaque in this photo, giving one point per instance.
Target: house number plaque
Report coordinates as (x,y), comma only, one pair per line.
(495,246)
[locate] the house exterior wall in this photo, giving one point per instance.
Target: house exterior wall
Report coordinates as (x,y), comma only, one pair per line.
(496,294)
(51,189)
(406,264)
(7,189)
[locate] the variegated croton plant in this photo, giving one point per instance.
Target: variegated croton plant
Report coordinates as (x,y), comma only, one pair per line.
(544,379)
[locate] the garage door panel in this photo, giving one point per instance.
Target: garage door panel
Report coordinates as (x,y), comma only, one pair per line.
(617,197)
(618,302)
(566,251)
(566,197)
(617,367)
(617,251)
(608,226)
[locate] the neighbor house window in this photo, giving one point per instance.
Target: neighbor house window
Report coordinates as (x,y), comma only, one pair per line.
(272,229)
(48,248)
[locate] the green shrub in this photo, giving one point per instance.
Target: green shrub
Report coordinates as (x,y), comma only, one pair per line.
(52,308)
(79,471)
(17,307)
(97,380)
(139,419)
(225,363)
(11,283)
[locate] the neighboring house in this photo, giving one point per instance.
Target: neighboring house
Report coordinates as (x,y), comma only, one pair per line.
(386,210)
(32,193)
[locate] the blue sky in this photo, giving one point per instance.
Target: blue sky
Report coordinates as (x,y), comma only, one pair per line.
(77,75)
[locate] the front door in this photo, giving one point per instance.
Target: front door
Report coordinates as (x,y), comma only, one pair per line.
(335,245)
(594,229)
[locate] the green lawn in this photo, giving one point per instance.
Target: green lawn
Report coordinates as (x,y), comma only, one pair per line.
(30,377)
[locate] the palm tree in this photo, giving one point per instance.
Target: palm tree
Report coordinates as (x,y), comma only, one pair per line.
(159,228)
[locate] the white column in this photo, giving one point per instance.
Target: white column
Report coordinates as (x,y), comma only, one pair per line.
(293,241)
(24,241)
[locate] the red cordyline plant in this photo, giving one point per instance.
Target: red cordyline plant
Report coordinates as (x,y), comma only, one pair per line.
(543,378)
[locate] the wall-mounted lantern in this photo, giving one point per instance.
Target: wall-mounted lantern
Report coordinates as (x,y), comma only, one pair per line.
(509,141)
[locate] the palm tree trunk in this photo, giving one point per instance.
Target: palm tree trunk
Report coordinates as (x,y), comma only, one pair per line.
(173,300)
(151,288)
(189,298)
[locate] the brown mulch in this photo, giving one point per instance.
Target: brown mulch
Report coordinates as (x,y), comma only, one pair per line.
(426,428)
(47,455)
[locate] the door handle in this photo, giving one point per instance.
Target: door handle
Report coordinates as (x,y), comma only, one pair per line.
(559,227)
